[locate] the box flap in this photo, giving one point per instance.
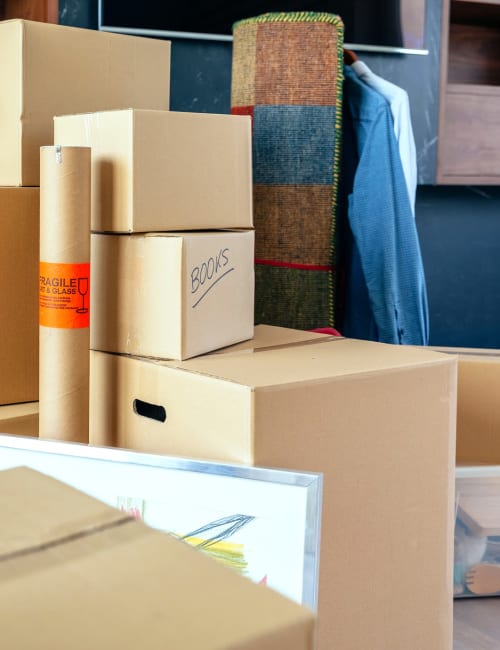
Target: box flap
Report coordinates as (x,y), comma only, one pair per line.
(21,425)
(478,414)
(36,512)
(19,419)
(127,586)
(320,359)
(266,336)
(14,411)
(186,234)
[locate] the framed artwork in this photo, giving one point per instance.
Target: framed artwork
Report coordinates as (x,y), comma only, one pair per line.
(264,523)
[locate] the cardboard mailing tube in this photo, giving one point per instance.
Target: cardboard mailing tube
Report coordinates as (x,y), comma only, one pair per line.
(64,298)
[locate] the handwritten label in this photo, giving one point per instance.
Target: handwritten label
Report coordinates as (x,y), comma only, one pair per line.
(207,274)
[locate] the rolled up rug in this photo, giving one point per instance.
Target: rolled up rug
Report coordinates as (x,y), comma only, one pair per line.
(287,74)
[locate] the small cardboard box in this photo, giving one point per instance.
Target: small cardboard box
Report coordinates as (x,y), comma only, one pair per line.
(19,255)
(88,576)
(378,421)
(47,69)
(171,295)
(156,171)
(20,419)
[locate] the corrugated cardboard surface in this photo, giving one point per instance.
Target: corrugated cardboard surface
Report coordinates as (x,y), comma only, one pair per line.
(478,411)
(19,419)
(48,70)
(478,405)
(77,574)
(172,296)
(378,420)
(155,171)
(19,242)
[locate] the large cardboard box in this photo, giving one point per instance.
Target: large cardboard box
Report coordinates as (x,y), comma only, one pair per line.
(171,296)
(78,574)
(379,422)
(477,529)
(19,244)
(165,170)
(47,69)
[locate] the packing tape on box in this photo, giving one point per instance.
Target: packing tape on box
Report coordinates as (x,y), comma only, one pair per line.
(281,346)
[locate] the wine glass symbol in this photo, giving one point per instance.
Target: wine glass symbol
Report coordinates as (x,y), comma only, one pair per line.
(83,287)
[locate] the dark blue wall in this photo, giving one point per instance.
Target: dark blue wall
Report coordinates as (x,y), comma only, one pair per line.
(200,76)
(459,231)
(78,13)
(459,227)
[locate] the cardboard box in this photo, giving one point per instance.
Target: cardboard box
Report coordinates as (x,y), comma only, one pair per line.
(155,171)
(171,296)
(478,411)
(88,576)
(477,529)
(19,419)
(47,69)
(19,243)
(379,422)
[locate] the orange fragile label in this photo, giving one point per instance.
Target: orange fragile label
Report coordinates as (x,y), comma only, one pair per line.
(64,295)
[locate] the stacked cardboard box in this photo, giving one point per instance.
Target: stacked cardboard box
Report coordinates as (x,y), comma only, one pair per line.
(47,69)
(374,419)
(377,420)
(172,259)
(173,246)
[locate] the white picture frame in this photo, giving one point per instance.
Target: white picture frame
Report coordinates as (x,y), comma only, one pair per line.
(263,522)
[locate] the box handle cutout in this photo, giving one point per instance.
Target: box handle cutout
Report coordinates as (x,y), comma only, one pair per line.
(151,411)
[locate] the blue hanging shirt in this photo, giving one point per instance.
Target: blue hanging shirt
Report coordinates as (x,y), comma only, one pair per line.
(385,291)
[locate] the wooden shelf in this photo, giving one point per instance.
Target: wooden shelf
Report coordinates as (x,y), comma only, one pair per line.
(473,89)
(470,136)
(46,11)
(469,114)
(478,2)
